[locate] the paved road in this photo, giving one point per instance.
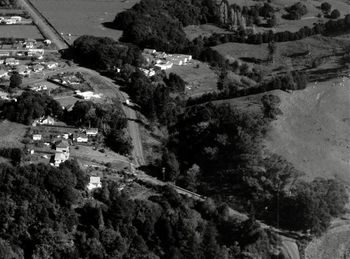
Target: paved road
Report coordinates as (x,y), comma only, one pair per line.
(44,26)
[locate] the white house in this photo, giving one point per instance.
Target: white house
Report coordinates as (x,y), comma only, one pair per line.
(51,65)
(95,182)
(36,137)
(47,120)
(16,18)
(148,72)
(47,42)
(164,66)
(82,139)
(11,62)
(91,132)
(87,95)
(59,158)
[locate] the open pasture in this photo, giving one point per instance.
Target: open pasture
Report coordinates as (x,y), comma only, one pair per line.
(79,17)
(20,31)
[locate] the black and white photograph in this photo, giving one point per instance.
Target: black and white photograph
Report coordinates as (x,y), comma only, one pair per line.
(174,129)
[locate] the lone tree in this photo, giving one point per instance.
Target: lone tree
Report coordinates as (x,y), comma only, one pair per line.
(15,80)
(326,7)
(335,14)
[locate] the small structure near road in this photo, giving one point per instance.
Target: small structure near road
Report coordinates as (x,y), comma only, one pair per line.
(37,137)
(91,132)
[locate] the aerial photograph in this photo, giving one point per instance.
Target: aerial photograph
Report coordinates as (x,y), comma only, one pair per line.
(174,129)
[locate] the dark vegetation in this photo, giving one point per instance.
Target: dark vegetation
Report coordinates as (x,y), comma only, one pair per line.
(109,118)
(30,106)
(291,81)
(296,11)
(215,150)
(105,53)
(45,214)
(14,154)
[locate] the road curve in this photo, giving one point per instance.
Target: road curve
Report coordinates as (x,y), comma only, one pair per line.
(44,25)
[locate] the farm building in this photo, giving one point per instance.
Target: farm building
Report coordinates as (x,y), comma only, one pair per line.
(91,132)
(47,120)
(95,182)
(37,137)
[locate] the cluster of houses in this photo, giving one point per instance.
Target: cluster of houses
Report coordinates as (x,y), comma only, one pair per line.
(24,70)
(162,60)
(10,20)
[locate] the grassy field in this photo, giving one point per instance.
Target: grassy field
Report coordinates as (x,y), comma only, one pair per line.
(11,134)
(204,30)
(79,17)
(199,77)
(317,45)
(20,31)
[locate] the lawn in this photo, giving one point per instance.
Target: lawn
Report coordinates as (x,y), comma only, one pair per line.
(79,17)
(20,31)
(11,134)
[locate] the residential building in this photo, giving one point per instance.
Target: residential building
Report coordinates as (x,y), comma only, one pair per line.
(149,51)
(47,42)
(16,18)
(11,62)
(38,68)
(23,70)
(62,147)
(37,137)
(48,120)
(4,54)
(35,52)
(148,72)
(87,95)
(51,65)
(164,65)
(95,182)
(91,132)
(59,158)
(82,139)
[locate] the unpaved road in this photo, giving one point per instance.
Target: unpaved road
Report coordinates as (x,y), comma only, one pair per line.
(44,26)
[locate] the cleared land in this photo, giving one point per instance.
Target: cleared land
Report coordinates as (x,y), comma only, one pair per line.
(318,46)
(199,77)
(79,17)
(314,131)
(11,134)
(20,31)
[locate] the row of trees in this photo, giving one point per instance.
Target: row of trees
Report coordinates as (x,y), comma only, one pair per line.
(290,81)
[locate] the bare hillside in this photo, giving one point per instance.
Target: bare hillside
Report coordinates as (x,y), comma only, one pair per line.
(314,131)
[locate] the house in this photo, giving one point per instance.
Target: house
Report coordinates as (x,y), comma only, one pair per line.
(36,137)
(148,72)
(62,147)
(4,54)
(3,73)
(23,70)
(164,66)
(11,62)
(47,42)
(16,18)
(95,182)
(51,65)
(149,51)
(87,95)
(8,21)
(47,120)
(35,52)
(91,132)
(38,68)
(82,139)
(65,136)
(59,158)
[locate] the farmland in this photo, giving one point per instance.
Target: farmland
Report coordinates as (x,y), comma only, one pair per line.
(20,31)
(79,17)
(11,134)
